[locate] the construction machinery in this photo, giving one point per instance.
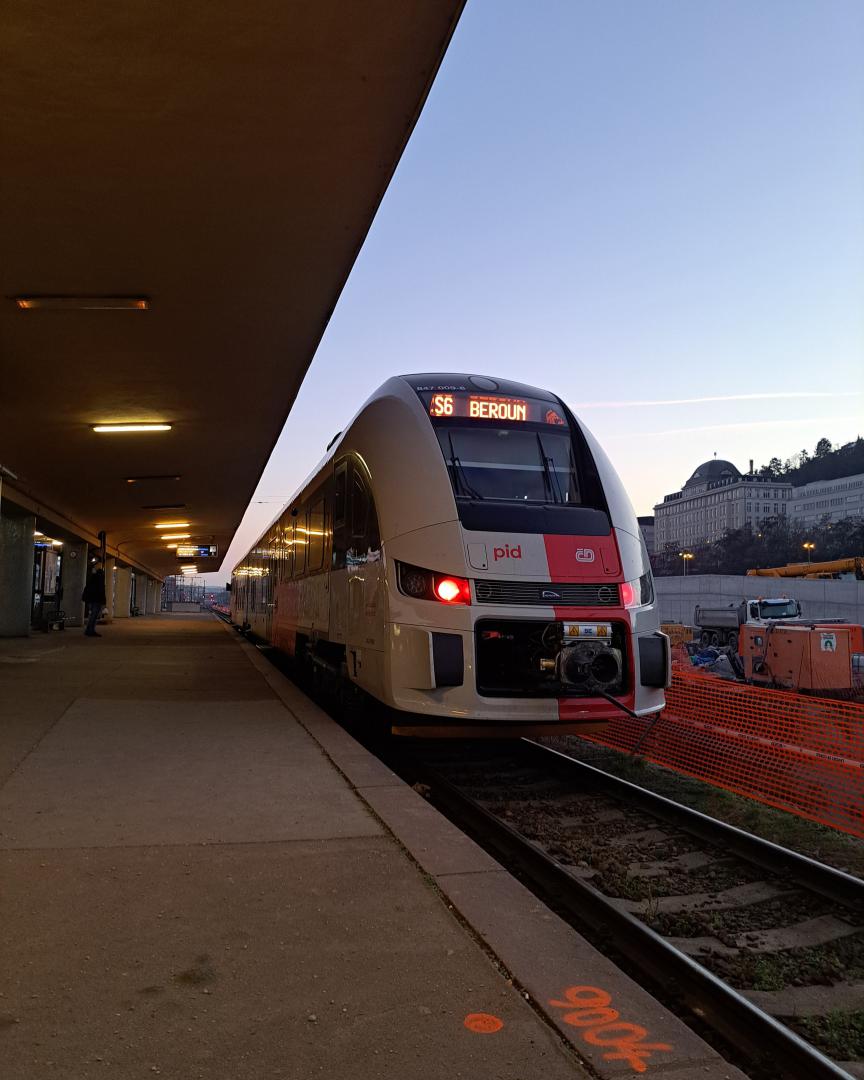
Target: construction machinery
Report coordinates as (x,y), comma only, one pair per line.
(812,658)
(831,569)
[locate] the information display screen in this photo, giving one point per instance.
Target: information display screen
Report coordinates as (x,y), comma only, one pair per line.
(445,405)
(196,551)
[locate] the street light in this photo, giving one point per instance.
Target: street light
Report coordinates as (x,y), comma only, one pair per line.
(808,546)
(686,556)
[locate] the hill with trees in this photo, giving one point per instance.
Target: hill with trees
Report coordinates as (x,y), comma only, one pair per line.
(825,463)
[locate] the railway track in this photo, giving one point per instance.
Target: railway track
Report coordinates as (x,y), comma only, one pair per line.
(698,910)
(705,910)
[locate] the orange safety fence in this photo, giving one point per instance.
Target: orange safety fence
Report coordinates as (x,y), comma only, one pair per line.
(677,633)
(799,753)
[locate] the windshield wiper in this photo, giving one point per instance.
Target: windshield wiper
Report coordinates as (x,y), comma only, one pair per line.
(459,474)
(547,473)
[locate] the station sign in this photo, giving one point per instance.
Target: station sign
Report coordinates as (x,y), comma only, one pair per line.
(196,551)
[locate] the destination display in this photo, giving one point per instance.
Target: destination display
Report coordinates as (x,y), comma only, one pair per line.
(462,405)
(196,551)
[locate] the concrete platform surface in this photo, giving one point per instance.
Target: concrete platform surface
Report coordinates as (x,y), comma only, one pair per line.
(205,877)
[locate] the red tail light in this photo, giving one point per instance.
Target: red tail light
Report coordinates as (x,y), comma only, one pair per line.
(427,585)
(628,594)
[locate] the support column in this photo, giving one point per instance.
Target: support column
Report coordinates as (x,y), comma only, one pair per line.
(75,568)
(156,597)
(16,573)
(142,592)
(109,589)
(122,593)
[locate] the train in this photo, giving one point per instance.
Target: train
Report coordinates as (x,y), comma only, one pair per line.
(466,556)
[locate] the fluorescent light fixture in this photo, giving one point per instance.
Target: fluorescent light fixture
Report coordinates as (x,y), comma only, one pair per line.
(82,303)
(57,543)
(111,429)
(37,533)
(172,524)
(169,546)
(175,536)
(139,479)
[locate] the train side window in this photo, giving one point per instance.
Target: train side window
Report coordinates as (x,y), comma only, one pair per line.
(300,541)
(316,536)
(288,547)
(364,541)
(340,497)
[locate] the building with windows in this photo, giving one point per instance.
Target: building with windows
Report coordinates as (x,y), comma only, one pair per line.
(717,497)
(828,500)
(646,527)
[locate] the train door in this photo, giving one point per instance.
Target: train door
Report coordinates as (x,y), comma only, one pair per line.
(365,608)
(338,574)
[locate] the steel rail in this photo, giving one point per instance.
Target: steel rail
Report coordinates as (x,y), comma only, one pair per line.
(828,881)
(717,1004)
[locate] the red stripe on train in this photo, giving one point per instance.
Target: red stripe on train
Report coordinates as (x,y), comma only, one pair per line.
(586,559)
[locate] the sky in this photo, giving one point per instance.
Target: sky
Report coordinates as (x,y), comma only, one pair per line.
(653,208)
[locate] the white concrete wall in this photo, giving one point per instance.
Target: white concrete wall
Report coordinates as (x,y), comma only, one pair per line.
(678,596)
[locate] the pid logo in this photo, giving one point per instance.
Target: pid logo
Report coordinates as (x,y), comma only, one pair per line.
(507,552)
(584,555)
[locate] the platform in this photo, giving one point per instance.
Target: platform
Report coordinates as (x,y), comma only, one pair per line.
(206,877)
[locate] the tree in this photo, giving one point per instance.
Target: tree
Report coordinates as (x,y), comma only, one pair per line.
(776,467)
(823,449)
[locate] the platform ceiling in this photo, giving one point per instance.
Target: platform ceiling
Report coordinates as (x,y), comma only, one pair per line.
(223,160)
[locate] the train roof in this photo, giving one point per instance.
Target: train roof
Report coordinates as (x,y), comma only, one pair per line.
(437,380)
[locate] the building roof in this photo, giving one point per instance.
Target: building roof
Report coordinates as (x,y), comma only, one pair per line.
(716,469)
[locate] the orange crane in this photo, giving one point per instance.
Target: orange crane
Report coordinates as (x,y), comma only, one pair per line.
(814,570)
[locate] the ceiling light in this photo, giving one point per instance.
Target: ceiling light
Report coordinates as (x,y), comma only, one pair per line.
(82,303)
(172,524)
(113,428)
(139,479)
(175,536)
(57,543)
(37,533)
(171,546)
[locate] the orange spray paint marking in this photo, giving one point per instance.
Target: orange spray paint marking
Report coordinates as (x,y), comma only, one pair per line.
(483,1023)
(588,1008)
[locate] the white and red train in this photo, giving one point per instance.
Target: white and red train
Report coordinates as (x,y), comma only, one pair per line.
(466,555)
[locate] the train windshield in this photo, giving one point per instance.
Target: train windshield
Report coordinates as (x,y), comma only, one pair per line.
(509,464)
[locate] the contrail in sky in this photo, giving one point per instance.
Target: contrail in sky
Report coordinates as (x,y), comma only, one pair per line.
(807,421)
(700,400)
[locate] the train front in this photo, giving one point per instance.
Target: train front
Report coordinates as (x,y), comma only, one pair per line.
(550,625)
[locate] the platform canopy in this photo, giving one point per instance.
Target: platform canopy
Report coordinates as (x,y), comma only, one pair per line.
(215,166)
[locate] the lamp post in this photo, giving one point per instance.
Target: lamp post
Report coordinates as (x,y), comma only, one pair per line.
(808,546)
(686,556)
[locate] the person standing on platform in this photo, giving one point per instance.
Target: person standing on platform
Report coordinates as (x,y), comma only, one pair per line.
(94,597)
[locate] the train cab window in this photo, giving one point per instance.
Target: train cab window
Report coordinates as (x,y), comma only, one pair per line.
(316,536)
(510,464)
